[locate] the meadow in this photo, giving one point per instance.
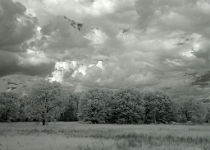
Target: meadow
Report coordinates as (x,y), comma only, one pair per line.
(77,136)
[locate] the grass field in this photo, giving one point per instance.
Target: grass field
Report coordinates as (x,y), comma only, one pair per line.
(76,136)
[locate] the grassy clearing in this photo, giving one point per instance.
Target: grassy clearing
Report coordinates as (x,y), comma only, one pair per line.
(76,136)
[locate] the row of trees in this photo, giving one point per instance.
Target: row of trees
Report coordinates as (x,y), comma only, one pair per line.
(50,102)
(129,106)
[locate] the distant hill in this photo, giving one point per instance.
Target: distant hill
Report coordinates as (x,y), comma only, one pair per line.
(17,83)
(21,84)
(203,80)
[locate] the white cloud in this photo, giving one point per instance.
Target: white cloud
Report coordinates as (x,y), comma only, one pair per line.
(33,58)
(96,36)
(147,44)
(61,69)
(100,64)
(82,69)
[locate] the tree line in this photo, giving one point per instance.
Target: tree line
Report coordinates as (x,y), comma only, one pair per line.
(48,101)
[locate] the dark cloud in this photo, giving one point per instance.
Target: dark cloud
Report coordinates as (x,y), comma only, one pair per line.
(11,65)
(203,52)
(16,29)
(203,80)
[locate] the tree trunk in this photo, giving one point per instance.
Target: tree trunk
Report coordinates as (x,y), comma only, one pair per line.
(43,121)
(43,118)
(155,119)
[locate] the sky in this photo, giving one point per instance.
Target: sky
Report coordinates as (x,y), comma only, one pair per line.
(147,44)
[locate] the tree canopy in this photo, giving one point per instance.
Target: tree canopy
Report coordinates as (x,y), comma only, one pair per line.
(47,100)
(127,107)
(8,106)
(158,107)
(93,106)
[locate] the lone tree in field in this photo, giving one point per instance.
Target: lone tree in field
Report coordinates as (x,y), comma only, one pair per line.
(47,101)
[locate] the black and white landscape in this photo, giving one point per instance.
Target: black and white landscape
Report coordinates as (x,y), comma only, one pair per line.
(105,62)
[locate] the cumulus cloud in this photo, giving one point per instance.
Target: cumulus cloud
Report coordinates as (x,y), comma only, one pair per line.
(153,44)
(15,27)
(18,30)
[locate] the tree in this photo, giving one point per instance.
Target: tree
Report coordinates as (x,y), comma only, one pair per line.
(24,108)
(158,107)
(207,120)
(127,107)
(8,106)
(71,109)
(47,100)
(206,103)
(93,106)
(190,109)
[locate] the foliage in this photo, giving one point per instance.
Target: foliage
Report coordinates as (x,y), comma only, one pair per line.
(127,107)
(190,109)
(71,109)
(8,107)
(158,108)
(207,120)
(24,108)
(93,106)
(46,101)
(49,101)
(206,103)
